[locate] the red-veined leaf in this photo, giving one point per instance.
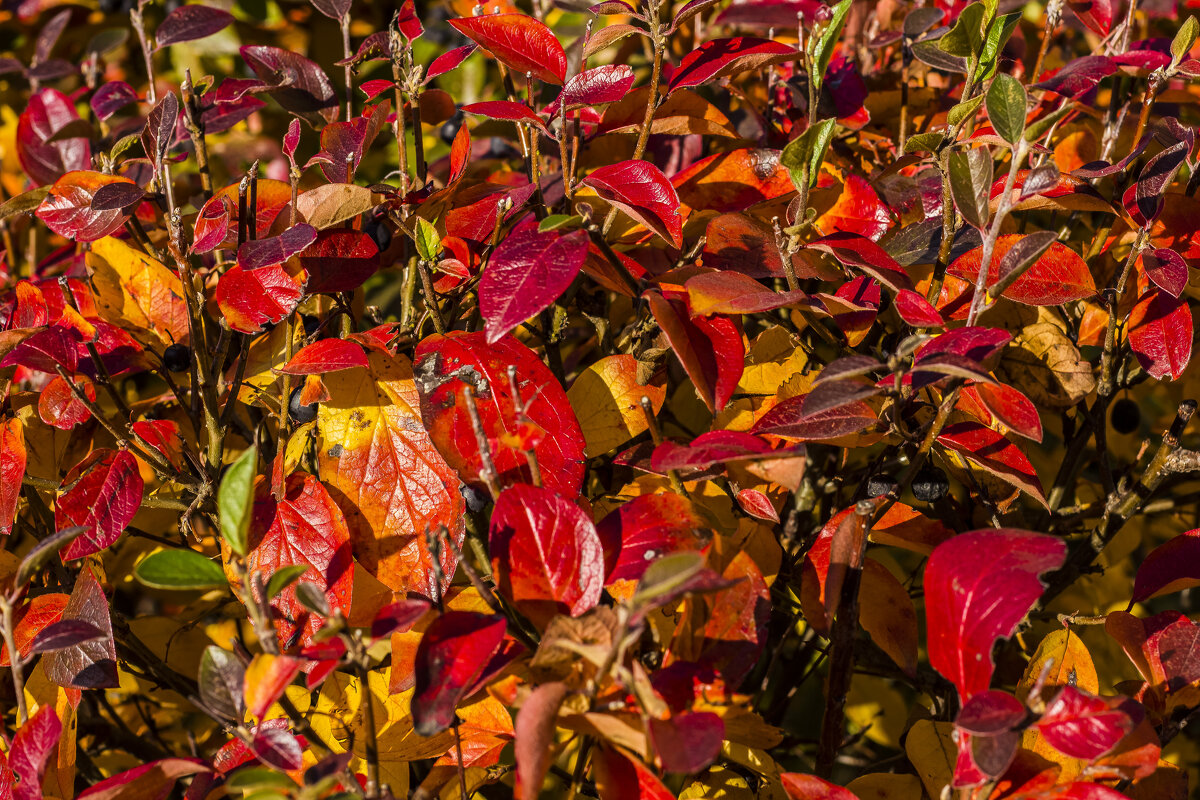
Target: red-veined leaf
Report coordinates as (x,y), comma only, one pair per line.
(339,260)
(1095,14)
(45,161)
(596,86)
(13,456)
(1059,276)
(1160,334)
(978,586)
(1167,269)
(105,493)
(510,111)
(789,419)
(642,191)
(68,210)
(188,23)
(34,616)
(990,713)
(1011,407)
(757,505)
(734,293)
(719,57)
(858,210)
(520,42)
(454,654)
(31,748)
(260,253)
(91,664)
(325,355)
(993,453)
(710,348)
(1081,725)
(297,83)
(647,528)
(250,299)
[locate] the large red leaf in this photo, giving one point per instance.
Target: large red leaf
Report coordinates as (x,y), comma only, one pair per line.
(619,777)
(687,742)
(1081,725)
(545,552)
(1059,275)
(68,211)
(734,293)
(1011,407)
(381,467)
(858,210)
(1170,567)
(649,527)
(719,57)
(1160,334)
(1095,14)
(325,355)
(978,586)
(252,298)
(259,253)
(733,180)
(454,654)
(31,748)
(216,224)
(642,191)
(105,494)
(528,271)
(993,453)
(520,42)
(305,528)
(710,348)
(451,365)
(13,456)
(340,260)
(48,112)
(91,664)
(297,83)
(596,86)
(789,419)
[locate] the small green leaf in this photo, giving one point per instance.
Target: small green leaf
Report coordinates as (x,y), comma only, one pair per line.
(123,144)
(235,501)
(23,203)
(183,570)
(924,142)
(998,33)
(283,578)
(556,222)
(667,574)
(258,778)
(970,184)
(313,598)
(1185,37)
(1006,107)
(964,111)
(821,47)
(429,244)
(965,39)
(1040,126)
(807,151)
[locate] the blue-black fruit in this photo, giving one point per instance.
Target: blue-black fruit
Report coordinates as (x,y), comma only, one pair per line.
(930,485)
(177,358)
(299,412)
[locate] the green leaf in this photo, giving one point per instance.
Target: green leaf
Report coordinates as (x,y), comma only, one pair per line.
(1041,126)
(235,501)
(183,570)
(556,222)
(665,575)
(924,142)
(821,48)
(283,578)
(971,183)
(429,244)
(313,598)
(1006,107)
(998,34)
(222,681)
(258,778)
(23,203)
(965,39)
(123,144)
(807,151)
(963,111)
(1185,37)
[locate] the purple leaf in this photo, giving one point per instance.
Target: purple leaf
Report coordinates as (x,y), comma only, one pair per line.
(188,23)
(91,664)
(116,196)
(297,83)
(63,634)
(1167,269)
(277,249)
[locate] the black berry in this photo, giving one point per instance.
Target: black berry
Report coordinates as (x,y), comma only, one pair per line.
(379,231)
(177,358)
(1126,416)
(449,128)
(312,324)
(930,485)
(879,485)
(301,414)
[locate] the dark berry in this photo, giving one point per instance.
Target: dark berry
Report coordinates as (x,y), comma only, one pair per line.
(379,231)
(930,485)
(177,358)
(879,485)
(498,148)
(1126,416)
(449,128)
(312,324)
(301,414)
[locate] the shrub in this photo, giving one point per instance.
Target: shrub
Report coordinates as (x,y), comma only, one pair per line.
(713,400)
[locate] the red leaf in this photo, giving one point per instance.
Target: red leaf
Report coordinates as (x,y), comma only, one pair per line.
(856,250)
(1167,269)
(31,749)
(260,253)
(298,84)
(596,86)
(1095,14)
(1081,725)
(105,494)
(734,293)
(1170,567)
(250,299)
(789,419)
(710,349)
(448,61)
(31,619)
(1059,276)
(757,505)
(68,211)
(687,742)
(858,210)
(278,748)
(620,778)
(647,528)
(510,111)
(44,161)
(707,450)
(92,664)
(520,42)
(534,736)
(1160,334)
(993,453)
(216,224)
(917,311)
(454,654)
(58,406)
(528,271)
(188,23)
(719,57)
(339,260)
(990,713)
(152,781)
(325,355)
(13,456)
(978,586)
(809,787)
(460,155)
(733,180)
(451,365)
(642,191)
(343,143)
(545,552)
(1011,407)
(305,528)
(162,435)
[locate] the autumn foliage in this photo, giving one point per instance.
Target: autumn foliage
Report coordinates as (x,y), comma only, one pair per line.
(724,399)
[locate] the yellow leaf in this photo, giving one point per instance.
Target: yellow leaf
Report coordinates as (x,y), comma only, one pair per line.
(774,357)
(606,398)
(135,289)
(886,786)
(931,750)
(1065,660)
(721,783)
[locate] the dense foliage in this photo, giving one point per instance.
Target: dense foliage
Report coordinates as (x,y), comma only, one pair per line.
(754,399)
